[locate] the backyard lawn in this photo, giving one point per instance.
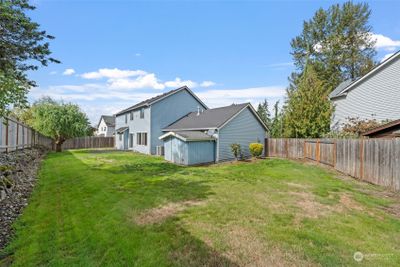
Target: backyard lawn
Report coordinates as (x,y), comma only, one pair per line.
(106,208)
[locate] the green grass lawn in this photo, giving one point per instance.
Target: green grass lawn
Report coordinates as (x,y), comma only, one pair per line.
(93,208)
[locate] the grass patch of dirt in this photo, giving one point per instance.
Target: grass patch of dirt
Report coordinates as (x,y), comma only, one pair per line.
(160,214)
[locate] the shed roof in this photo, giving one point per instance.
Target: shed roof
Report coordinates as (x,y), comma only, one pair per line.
(208,119)
(383,128)
(189,136)
(157,98)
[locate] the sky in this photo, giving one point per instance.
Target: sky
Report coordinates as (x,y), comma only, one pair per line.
(117,53)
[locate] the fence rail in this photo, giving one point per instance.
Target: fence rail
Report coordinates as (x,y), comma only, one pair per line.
(15,135)
(373,160)
(88,142)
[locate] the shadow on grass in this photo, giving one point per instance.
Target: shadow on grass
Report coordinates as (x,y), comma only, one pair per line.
(135,184)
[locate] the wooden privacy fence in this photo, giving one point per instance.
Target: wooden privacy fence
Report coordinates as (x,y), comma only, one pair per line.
(373,160)
(15,135)
(89,142)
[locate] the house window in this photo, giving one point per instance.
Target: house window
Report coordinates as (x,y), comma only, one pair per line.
(141,139)
(120,137)
(142,113)
(126,118)
(131,114)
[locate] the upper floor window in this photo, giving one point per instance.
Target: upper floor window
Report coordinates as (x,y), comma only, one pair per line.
(126,118)
(142,113)
(131,114)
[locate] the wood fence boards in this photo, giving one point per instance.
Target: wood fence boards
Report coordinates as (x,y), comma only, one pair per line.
(88,142)
(373,160)
(15,135)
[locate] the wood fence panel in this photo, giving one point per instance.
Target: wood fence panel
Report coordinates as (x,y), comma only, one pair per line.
(373,160)
(88,142)
(15,135)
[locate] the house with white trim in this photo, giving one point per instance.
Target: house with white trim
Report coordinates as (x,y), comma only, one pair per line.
(178,125)
(375,96)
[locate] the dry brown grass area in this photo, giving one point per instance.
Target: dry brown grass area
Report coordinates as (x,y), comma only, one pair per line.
(160,214)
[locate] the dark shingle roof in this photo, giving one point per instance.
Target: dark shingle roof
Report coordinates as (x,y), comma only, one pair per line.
(211,118)
(150,101)
(109,120)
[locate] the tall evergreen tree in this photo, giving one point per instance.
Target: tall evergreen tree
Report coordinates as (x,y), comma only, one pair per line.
(276,125)
(338,42)
(264,113)
(23,47)
(307,111)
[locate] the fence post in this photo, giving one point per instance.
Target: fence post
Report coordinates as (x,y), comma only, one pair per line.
(318,151)
(7,122)
(16,141)
(304,149)
(334,153)
(286,148)
(361,159)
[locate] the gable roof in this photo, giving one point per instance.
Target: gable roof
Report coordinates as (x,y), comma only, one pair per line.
(157,98)
(211,118)
(383,127)
(108,120)
(342,89)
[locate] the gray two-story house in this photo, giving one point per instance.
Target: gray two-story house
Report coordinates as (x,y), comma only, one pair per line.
(138,127)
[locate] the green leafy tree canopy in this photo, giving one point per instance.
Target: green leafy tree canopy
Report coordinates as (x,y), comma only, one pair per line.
(58,120)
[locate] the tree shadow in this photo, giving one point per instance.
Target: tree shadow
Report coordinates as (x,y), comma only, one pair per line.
(138,186)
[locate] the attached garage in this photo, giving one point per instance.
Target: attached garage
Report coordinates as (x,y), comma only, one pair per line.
(189,147)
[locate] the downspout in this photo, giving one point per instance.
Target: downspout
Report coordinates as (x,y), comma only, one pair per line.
(150,129)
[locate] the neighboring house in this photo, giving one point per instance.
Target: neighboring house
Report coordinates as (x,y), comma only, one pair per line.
(106,126)
(376,95)
(388,130)
(205,137)
(138,127)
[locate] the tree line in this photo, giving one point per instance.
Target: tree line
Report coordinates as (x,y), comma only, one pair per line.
(335,45)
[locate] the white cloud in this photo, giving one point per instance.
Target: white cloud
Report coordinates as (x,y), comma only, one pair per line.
(112,74)
(207,84)
(223,97)
(281,65)
(387,56)
(138,54)
(384,42)
(53,72)
(146,81)
(179,83)
(68,72)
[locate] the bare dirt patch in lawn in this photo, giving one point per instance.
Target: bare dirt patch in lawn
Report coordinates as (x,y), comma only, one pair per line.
(160,214)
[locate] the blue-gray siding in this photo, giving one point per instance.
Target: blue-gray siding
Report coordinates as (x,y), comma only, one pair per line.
(188,153)
(377,97)
(175,150)
(200,152)
(242,129)
(169,110)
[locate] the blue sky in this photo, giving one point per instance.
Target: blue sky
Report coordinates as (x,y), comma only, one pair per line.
(116,53)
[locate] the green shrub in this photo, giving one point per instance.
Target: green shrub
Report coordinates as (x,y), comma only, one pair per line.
(236,150)
(256,149)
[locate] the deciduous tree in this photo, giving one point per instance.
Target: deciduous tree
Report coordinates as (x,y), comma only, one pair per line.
(58,120)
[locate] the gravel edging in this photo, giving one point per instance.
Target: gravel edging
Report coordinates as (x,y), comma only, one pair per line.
(18,171)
